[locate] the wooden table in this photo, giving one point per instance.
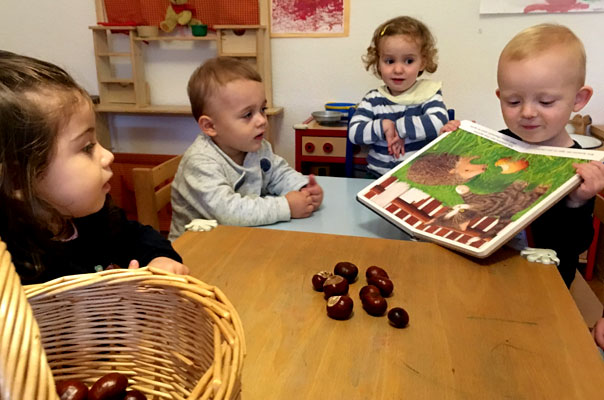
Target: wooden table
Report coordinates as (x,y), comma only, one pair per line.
(495,328)
(341,214)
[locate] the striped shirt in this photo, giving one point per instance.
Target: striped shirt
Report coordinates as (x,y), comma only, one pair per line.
(417,123)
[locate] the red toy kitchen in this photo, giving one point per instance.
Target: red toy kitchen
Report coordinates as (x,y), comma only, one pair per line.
(321,149)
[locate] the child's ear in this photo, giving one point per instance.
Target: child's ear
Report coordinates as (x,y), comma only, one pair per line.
(207,125)
(582,97)
(498,93)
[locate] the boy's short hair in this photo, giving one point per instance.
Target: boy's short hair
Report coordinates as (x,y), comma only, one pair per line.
(539,38)
(211,75)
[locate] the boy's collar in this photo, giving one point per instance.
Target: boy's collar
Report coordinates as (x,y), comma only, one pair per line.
(421,91)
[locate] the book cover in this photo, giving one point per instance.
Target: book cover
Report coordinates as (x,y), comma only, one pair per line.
(474,189)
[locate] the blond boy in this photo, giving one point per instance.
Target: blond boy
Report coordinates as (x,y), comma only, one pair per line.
(541,79)
(230,173)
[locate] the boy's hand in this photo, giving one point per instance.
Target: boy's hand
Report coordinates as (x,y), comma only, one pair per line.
(300,204)
(165,263)
(315,191)
(396,145)
(593,181)
(450,126)
(598,333)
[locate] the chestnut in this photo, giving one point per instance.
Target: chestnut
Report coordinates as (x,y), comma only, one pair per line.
(335,285)
(375,271)
(347,270)
(108,387)
(339,307)
(384,284)
(319,278)
(72,390)
(374,304)
(134,395)
(368,289)
(398,317)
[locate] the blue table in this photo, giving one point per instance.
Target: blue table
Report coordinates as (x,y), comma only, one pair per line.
(342,214)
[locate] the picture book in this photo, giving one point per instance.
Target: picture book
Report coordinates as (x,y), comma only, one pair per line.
(474,189)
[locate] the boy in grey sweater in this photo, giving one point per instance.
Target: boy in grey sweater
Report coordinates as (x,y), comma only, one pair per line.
(230,172)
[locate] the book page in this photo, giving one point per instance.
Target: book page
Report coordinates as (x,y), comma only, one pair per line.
(474,189)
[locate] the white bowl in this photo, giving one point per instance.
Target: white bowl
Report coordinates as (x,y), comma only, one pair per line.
(587,142)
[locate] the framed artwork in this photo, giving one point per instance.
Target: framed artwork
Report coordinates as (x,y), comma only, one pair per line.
(309,18)
(539,6)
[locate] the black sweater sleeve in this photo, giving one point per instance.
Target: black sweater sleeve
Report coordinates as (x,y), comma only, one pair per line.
(122,240)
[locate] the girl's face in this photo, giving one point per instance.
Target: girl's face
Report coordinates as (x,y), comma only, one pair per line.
(77,178)
(400,62)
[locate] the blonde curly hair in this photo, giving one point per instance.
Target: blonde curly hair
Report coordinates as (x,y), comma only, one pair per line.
(402,26)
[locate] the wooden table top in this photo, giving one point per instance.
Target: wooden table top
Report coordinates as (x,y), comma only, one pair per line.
(495,328)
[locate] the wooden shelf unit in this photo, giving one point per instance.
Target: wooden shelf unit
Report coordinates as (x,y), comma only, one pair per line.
(131,95)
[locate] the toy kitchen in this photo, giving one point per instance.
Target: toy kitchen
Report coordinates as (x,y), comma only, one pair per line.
(322,146)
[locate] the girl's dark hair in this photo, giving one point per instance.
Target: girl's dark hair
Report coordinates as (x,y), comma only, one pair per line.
(408,26)
(36,99)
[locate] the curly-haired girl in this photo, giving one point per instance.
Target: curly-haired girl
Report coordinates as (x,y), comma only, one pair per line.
(405,113)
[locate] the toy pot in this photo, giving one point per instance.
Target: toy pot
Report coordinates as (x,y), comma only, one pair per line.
(199,30)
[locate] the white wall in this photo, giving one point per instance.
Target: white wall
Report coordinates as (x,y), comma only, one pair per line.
(306,72)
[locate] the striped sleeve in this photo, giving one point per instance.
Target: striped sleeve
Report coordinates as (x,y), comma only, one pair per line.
(365,125)
(423,122)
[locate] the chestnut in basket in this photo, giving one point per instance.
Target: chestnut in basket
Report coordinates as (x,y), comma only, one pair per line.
(334,286)
(398,317)
(319,278)
(339,307)
(134,395)
(109,387)
(374,271)
(72,390)
(347,270)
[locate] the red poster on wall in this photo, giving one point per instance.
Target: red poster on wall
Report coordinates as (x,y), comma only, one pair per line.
(296,18)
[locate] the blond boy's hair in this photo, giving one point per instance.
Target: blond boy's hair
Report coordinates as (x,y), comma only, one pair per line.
(540,38)
(213,74)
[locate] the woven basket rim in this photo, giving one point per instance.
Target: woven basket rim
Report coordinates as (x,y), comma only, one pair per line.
(220,381)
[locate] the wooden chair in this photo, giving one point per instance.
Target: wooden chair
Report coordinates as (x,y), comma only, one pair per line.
(593,248)
(153,189)
(580,123)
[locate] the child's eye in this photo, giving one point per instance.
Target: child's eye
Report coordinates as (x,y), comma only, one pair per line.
(513,102)
(247,115)
(388,61)
(263,110)
(88,148)
(546,103)
(409,61)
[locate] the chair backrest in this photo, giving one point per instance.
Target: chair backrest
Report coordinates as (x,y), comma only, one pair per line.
(580,123)
(153,190)
(599,207)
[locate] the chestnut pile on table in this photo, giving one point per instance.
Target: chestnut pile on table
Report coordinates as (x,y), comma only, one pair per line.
(335,286)
(109,387)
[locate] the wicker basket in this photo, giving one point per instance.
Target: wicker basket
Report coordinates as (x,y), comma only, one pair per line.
(173,336)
